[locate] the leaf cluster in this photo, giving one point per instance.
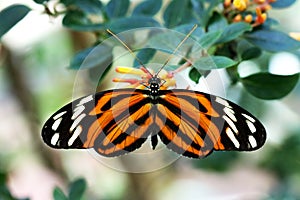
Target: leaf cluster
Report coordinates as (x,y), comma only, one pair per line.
(225,44)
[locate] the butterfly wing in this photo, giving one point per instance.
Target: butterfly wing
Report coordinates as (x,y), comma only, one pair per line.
(194,124)
(113,122)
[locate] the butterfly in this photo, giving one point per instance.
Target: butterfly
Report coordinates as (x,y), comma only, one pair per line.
(190,123)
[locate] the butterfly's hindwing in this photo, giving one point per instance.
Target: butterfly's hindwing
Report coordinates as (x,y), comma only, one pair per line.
(197,123)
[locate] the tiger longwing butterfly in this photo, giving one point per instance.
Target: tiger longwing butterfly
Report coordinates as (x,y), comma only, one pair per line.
(119,121)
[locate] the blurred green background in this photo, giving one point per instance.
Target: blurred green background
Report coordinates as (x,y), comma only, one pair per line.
(35,81)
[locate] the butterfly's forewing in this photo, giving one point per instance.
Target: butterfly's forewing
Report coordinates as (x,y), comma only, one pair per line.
(113,122)
(197,123)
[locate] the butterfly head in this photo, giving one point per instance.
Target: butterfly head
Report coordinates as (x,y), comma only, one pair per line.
(154,85)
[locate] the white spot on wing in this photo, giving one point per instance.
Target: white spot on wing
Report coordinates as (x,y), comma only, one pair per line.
(230,123)
(232,137)
(251,126)
(77,111)
(59,115)
(252,141)
(54,139)
(56,124)
(248,117)
(77,121)
(223,102)
(85,100)
(230,113)
(76,133)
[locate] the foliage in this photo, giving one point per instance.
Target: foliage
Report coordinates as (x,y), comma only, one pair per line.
(224,29)
(75,192)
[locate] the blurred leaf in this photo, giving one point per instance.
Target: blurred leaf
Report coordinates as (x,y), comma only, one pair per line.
(144,55)
(203,10)
(269,86)
(233,31)
(269,23)
(284,191)
(127,23)
(252,52)
(210,38)
(78,20)
(83,15)
(217,22)
(77,189)
(3,177)
(117,8)
(10,16)
(40,1)
(271,40)
(284,159)
(199,12)
(58,194)
(88,6)
(175,12)
(5,193)
(168,41)
(147,7)
(247,51)
(282,3)
(92,57)
(186,28)
(194,75)
(217,161)
(213,62)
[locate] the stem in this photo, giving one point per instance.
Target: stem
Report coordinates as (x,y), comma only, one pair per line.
(23,94)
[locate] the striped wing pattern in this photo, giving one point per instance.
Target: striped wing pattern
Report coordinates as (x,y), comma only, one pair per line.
(116,122)
(198,123)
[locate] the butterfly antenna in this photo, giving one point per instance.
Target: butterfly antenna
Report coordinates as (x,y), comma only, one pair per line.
(178,46)
(131,52)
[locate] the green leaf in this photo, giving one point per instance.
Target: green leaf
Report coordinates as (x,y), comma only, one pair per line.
(83,15)
(247,51)
(217,22)
(199,12)
(144,55)
(88,7)
(10,16)
(282,3)
(175,12)
(233,31)
(5,193)
(213,161)
(273,41)
(194,75)
(147,7)
(92,57)
(213,62)
(127,23)
(186,28)
(168,41)
(79,21)
(40,1)
(210,38)
(58,194)
(77,189)
(281,160)
(269,86)
(251,53)
(117,8)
